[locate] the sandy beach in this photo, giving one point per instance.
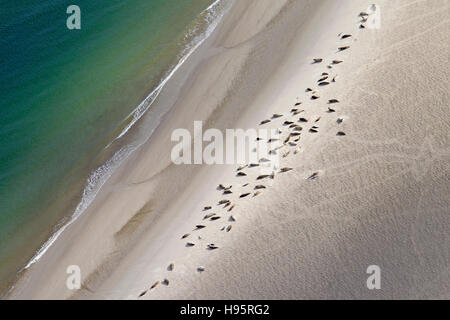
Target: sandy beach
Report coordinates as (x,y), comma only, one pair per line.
(368,180)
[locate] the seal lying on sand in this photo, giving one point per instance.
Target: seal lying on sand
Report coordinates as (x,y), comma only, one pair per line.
(314,175)
(343,48)
(212,246)
(154,285)
(209,215)
(142,293)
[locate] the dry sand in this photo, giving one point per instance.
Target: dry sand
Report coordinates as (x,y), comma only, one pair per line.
(380,198)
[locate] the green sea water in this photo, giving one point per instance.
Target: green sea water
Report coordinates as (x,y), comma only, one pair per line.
(66,94)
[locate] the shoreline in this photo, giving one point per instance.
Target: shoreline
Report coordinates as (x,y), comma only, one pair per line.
(112,163)
(136,114)
(130,232)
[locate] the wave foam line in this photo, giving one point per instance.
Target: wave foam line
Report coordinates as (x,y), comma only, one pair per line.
(98,178)
(140,110)
(95,181)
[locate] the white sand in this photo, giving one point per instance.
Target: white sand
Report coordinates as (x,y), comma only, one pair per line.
(382,192)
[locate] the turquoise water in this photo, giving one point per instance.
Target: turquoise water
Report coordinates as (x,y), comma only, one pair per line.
(66,94)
